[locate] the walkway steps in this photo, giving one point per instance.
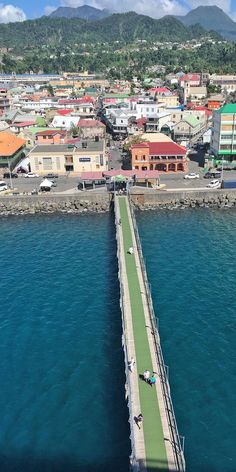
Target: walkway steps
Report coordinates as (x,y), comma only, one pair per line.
(155,446)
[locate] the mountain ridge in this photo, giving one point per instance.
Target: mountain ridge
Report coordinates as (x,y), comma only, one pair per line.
(127,27)
(85,12)
(211,17)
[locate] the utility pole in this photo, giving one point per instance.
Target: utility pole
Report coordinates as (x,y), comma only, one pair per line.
(10,173)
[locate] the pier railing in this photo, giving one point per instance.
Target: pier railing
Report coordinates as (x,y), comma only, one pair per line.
(172,424)
(134,463)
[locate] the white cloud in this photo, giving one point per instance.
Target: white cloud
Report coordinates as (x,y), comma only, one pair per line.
(10,13)
(49,9)
(153,8)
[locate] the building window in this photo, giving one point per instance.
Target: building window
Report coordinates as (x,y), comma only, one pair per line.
(226,128)
(144,158)
(58,163)
(36,163)
(47,163)
(227,117)
(226,136)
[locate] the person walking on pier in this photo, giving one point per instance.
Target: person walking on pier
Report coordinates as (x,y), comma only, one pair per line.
(146,375)
(138,419)
(131,364)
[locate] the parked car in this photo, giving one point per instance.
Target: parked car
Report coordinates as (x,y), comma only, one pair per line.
(3,185)
(192,175)
(31,175)
(214,184)
(212,175)
(7,175)
(51,176)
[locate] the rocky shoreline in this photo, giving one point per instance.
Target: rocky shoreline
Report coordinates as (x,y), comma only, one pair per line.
(15,206)
(187,200)
(101,202)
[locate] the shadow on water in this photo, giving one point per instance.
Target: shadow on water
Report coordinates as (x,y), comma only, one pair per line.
(59,464)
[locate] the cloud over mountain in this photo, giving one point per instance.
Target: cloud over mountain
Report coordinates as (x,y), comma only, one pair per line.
(153,8)
(10,13)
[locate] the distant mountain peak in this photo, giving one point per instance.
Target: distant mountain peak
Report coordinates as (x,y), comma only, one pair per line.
(85,12)
(211,17)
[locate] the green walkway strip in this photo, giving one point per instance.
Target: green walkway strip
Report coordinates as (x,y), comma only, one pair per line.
(152,427)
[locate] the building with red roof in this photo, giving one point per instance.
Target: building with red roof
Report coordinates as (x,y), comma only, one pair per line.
(63,112)
(49,136)
(160,156)
(193,79)
(159,90)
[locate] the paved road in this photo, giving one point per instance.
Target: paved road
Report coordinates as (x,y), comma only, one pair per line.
(22,184)
(115,159)
(69,184)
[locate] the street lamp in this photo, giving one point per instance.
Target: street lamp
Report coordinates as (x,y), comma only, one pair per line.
(222,170)
(9,173)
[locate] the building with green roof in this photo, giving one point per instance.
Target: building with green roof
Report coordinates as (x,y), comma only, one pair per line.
(223,141)
(189,127)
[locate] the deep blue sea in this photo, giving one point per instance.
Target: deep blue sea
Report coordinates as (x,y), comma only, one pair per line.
(62,399)
(191,263)
(62,405)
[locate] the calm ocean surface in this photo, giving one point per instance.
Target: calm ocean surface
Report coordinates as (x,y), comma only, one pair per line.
(62,406)
(191,265)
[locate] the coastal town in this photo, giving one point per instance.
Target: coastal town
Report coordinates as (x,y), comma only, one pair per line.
(73,132)
(117,235)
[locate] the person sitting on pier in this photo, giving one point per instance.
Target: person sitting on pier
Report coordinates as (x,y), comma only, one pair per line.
(153,380)
(131,250)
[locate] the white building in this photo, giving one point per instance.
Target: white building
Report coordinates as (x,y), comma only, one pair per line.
(65,122)
(146,109)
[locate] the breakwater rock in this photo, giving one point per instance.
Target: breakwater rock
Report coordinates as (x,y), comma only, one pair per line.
(46,204)
(184,199)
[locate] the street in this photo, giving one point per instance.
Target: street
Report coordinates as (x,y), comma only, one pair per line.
(69,184)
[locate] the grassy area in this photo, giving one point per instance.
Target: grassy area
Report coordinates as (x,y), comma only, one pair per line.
(152,427)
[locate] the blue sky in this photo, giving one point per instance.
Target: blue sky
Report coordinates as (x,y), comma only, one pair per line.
(22,9)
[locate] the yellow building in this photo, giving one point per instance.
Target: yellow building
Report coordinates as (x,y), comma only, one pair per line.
(87,156)
(168,100)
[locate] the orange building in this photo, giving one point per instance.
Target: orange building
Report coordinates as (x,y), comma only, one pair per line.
(162,156)
(215,102)
(50,137)
(11,150)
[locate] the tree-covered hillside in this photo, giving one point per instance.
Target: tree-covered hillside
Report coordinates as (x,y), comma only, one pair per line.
(118,27)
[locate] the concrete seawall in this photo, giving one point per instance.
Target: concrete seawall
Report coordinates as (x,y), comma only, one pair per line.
(100,202)
(86,202)
(183,199)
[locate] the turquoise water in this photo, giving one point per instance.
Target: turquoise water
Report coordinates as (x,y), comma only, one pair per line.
(62,404)
(191,264)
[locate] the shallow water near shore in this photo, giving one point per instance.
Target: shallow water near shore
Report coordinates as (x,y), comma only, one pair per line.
(62,399)
(191,265)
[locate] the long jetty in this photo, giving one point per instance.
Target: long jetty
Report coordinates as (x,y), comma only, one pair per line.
(155,442)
